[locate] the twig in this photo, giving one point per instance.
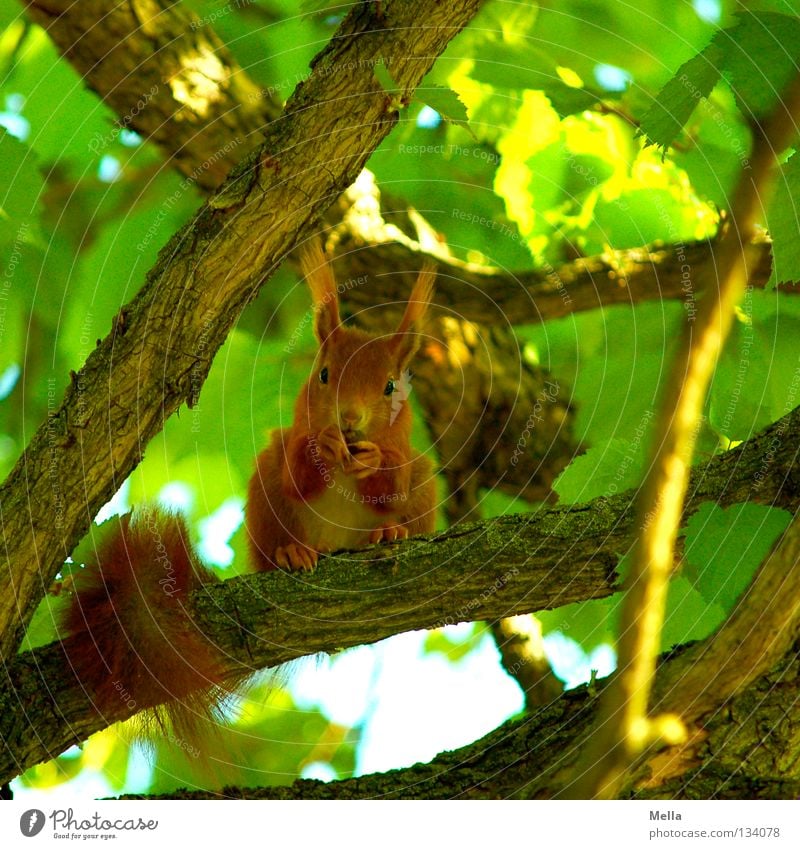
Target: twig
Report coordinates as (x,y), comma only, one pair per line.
(624,729)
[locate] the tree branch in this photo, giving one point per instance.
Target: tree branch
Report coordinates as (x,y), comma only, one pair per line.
(86,32)
(722,688)
(486,294)
(735,758)
(166,75)
(624,726)
(514,564)
(162,343)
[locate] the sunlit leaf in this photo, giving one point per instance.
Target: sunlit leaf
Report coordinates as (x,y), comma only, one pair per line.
(762,53)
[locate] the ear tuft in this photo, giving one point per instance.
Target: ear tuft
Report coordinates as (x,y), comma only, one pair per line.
(320,279)
(406,337)
(420,298)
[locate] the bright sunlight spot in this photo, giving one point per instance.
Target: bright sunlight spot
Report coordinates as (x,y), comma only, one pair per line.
(217,530)
(708,10)
(109,169)
(572,665)
(8,380)
(612,78)
(177,495)
(428,118)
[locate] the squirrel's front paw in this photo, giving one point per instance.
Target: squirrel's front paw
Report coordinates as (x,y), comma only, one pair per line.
(331,447)
(365,459)
(296,557)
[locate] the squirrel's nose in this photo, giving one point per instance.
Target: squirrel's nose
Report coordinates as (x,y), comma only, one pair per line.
(350,419)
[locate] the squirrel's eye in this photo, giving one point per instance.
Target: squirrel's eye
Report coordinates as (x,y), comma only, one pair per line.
(389,387)
(323,375)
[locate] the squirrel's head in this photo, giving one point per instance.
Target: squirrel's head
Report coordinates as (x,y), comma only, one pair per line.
(359,382)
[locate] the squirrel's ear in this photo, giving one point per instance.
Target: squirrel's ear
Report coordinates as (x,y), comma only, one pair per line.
(406,338)
(319,275)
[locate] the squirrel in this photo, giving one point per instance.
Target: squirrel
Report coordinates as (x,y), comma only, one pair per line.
(342,476)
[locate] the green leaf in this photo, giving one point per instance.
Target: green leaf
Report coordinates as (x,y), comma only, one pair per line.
(605,469)
(45,624)
(454,649)
(514,66)
(430,168)
(688,615)
(758,56)
(677,100)
(384,77)
(567,99)
(783,221)
(755,382)
(446,102)
(762,53)
(589,623)
(724,547)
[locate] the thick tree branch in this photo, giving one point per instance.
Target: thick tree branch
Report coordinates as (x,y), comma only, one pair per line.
(515,564)
(166,75)
(722,688)
(485,294)
(736,757)
(163,342)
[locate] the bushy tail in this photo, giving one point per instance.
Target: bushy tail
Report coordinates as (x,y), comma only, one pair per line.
(134,644)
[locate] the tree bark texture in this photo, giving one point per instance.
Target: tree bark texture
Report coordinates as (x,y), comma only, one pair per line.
(167,76)
(489,570)
(748,750)
(162,343)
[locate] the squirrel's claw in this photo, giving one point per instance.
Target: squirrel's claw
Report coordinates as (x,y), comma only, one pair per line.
(296,557)
(389,533)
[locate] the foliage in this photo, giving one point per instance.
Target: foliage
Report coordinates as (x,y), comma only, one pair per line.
(592,126)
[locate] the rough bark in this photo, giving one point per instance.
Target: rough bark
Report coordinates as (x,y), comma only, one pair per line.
(510,565)
(490,295)
(163,342)
(724,689)
(167,76)
(748,751)
(522,654)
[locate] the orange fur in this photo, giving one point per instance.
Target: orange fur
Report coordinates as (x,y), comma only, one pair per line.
(133,638)
(344,474)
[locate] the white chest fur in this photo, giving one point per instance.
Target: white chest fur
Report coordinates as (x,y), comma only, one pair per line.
(340,517)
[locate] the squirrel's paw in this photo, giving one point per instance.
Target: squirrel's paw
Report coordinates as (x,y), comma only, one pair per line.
(332,447)
(365,459)
(389,533)
(296,557)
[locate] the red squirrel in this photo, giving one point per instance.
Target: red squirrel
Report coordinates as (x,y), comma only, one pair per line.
(342,476)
